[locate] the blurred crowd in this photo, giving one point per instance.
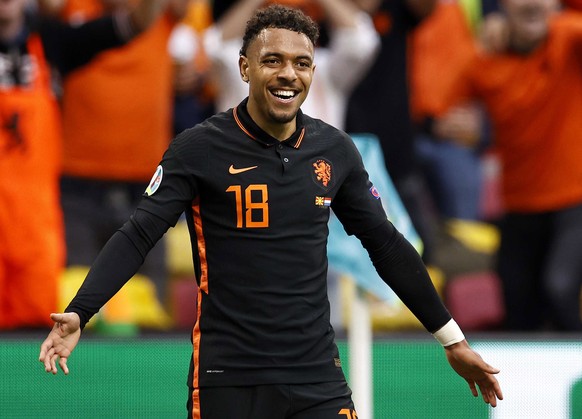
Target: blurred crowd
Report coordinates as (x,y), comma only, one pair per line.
(474,104)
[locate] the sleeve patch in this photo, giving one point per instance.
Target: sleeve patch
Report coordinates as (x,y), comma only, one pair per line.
(155,182)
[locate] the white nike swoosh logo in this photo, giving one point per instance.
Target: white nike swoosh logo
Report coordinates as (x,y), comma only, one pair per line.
(234,171)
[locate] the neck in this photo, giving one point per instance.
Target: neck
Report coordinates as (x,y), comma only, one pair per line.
(278,130)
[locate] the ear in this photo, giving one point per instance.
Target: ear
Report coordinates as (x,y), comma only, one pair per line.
(243,66)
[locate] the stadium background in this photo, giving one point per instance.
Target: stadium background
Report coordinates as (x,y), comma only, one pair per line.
(145,377)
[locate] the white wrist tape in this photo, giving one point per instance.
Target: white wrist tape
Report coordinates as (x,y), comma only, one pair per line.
(449,334)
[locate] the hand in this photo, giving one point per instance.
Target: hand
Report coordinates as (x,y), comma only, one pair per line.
(461,124)
(186,78)
(60,342)
(469,365)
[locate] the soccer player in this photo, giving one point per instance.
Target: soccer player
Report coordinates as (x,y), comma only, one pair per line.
(257,183)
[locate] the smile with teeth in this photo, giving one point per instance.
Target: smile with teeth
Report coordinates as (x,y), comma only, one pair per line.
(284,94)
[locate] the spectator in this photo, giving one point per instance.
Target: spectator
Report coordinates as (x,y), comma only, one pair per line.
(380,105)
(117,119)
(532,88)
(31,233)
(440,47)
(193,93)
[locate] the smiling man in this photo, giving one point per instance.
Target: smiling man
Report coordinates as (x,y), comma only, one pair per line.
(280,63)
(257,183)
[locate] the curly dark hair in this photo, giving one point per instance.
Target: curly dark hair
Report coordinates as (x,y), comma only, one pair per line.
(279,17)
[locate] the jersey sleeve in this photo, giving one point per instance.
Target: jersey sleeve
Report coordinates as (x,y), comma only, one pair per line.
(169,193)
(357,204)
(401,268)
(116,263)
(359,208)
(173,185)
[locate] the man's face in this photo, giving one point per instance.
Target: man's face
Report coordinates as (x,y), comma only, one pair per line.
(279,69)
(528,19)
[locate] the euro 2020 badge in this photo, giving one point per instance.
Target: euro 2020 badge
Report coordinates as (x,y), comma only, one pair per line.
(155,182)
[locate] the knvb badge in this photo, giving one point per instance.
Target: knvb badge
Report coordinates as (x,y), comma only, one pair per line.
(322,173)
(322,201)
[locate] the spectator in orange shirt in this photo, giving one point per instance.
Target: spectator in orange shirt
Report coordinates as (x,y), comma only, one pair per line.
(440,47)
(533,93)
(117,120)
(31,232)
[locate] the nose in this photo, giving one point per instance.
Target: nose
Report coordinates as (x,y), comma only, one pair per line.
(287,71)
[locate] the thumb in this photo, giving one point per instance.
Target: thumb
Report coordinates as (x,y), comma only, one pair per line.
(489,369)
(59,317)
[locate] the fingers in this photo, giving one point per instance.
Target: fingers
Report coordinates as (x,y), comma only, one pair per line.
(497,391)
(473,388)
(63,365)
(489,369)
(489,397)
(490,390)
(53,364)
(47,360)
(46,345)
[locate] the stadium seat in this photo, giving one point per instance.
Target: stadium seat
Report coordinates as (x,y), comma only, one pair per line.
(475,300)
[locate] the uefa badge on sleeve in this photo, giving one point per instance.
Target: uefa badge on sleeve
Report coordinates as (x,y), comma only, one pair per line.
(155,182)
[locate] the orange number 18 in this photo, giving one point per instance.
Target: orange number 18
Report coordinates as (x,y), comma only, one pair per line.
(251,207)
(348,414)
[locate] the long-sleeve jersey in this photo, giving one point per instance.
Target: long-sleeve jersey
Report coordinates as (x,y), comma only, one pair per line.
(257,211)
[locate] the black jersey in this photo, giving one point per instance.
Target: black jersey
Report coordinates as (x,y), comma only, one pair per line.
(257,211)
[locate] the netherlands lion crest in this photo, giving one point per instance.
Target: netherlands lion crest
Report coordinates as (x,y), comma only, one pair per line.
(322,172)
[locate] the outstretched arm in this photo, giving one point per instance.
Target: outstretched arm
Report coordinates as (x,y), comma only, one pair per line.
(398,263)
(117,262)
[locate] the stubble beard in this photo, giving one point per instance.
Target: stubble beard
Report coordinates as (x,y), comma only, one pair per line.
(282,118)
